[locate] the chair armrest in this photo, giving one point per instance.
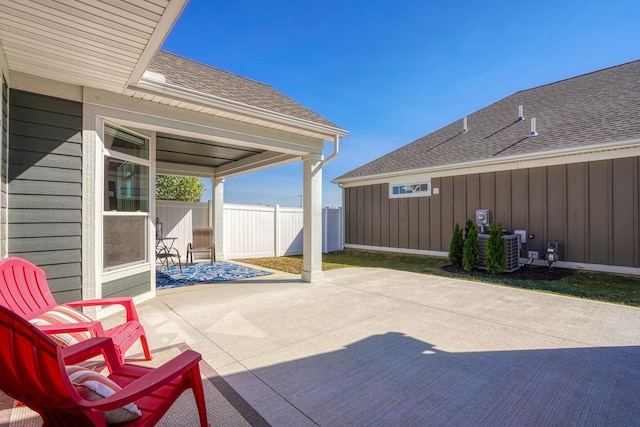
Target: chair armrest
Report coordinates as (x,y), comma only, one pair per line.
(126,302)
(155,379)
(94,327)
(91,348)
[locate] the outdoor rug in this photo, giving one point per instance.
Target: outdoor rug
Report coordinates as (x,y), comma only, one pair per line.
(225,407)
(203,272)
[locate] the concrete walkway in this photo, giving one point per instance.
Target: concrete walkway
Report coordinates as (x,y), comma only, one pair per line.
(377,347)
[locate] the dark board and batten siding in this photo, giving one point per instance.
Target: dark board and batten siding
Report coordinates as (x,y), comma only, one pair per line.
(45,188)
(592,208)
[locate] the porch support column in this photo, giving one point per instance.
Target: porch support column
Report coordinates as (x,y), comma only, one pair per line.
(217,214)
(312,229)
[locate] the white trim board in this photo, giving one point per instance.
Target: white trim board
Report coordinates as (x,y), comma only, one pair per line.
(617,150)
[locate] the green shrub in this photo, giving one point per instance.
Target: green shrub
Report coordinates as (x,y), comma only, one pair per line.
(468,226)
(495,255)
(456,247)
(471,250)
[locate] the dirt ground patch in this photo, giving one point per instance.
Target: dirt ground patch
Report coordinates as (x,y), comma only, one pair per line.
(527,272)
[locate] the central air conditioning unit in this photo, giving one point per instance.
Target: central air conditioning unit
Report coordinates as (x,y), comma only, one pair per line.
(512,261)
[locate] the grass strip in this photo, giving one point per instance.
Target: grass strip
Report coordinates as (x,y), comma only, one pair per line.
(606,287)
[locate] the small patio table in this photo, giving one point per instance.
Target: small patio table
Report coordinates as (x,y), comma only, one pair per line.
(165,251)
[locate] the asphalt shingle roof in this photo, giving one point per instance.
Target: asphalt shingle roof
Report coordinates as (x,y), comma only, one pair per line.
(591,109)
(193,75)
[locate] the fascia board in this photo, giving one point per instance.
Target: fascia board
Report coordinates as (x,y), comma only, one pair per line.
(178,93)
(627,148)
(134,112)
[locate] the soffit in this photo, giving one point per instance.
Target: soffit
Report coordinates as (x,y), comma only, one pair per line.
(177,149)
(182,155)
(100,44)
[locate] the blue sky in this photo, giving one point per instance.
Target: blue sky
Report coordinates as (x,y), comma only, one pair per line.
(391,72)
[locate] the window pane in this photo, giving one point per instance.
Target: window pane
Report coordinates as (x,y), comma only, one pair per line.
(125,240)
(125,142)
(410,190)
(127,186)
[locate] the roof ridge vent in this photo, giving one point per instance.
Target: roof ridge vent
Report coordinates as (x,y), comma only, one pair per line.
(464,125)
(533,128)
(520,113)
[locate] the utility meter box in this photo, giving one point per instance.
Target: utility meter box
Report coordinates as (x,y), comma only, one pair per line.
(482,217)
(553,252)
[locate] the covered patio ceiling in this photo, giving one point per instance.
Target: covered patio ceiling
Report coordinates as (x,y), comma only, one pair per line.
(183,155)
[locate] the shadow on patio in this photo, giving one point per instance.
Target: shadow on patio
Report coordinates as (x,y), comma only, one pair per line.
(393,379)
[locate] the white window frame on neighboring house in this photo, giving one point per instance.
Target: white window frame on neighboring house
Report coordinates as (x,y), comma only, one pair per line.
(409,189)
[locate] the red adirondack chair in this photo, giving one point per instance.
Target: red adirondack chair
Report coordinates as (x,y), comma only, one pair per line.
(24,289)
(32,369)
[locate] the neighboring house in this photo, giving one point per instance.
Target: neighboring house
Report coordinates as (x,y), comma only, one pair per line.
(92,110)
(574,179)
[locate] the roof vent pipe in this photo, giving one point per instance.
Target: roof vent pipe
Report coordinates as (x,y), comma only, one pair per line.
(533,127)
(520,113)
(464,125)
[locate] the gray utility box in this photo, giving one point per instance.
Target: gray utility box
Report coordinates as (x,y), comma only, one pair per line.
(512,261)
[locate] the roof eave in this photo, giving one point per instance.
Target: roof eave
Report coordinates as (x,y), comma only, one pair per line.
(630,143)
(153,86)
(164,26)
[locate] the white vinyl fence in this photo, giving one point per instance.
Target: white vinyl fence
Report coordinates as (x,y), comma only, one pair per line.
(250,231)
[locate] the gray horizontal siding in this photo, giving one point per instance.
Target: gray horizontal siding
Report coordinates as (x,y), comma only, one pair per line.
(46,258)
(27,114)
(45,230)
(40,145)
(44,184)
(4,137)
(48,189)
(31,244)
(67,296)
(33,158)
(32,201)
(43,174)
(35,216)
(127,286)
(43,131)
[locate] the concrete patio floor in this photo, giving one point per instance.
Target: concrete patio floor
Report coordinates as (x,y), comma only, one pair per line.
(376,347)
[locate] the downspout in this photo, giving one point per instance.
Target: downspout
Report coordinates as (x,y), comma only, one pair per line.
(336,150)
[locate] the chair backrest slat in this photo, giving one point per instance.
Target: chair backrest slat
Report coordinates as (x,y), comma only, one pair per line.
(202,238)
(29,365)
(24,288)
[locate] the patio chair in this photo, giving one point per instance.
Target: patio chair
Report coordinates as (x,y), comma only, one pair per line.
(24,289)
(33,371)
(165,251)
(202,242)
